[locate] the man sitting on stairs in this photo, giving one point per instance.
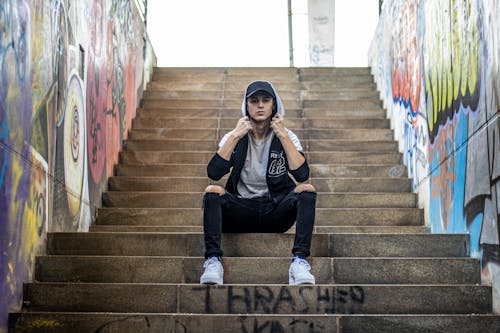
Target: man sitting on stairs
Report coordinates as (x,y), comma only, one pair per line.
(259,195)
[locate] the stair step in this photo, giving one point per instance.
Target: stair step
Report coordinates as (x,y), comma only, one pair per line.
(172,133)
(317,170)
(212,103)
(198,228)
(254,299)
(226,124)
(154,152)
(336,154)
(214,134)
(351,145)
(173,145)
(158,184)
(150,216)
(243,245)
(62,322)
(341,104)
(359,217)
(147,156)
(419,324)
(194,95)
(167,111)
(334,77)
(346,122)
(357,170)
(90,322)
(349,94)
(204,112)
(194,199)
(340,71)
(351,184)
(192,145)
(110,269)
(363,134)
(333,85)
(196,184)
(326,112)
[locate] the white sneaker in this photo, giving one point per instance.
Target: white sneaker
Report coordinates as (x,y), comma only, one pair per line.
(214,272)
(299,272)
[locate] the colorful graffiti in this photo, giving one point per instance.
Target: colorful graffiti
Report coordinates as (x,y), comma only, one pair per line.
(71,73)
(443,97)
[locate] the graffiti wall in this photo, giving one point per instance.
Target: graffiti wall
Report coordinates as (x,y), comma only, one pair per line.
(437,67)
(71,76)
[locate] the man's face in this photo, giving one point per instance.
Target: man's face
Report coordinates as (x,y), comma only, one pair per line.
(260,106)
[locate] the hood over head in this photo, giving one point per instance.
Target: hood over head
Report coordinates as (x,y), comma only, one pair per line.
(267,87)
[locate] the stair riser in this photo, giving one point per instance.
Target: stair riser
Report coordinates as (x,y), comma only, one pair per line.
(361,184)
(339,71)
(240,85)
(324,217)
(317,170)
(256,270)
(203,112)
(365,104)
(349,157)
(237,95)
(271,245)
(147,323)
(334,85)
(336,170)
(150,323)
(326,112)
(292,123)
(163,133)
(349,134)
(155,153)
(158,184)
(317,229)
(213,134)
(258,299)
(420,324)
(191,184)
(349,147)
(211,103)
(145,157)
(216,102)
(192,200)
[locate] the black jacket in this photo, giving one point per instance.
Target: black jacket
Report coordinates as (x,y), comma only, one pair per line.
(278,180)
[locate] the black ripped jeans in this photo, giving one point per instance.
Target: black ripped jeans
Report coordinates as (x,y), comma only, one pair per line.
(229,214)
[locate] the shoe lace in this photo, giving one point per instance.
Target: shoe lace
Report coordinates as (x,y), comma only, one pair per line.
(211,264)
(302,263)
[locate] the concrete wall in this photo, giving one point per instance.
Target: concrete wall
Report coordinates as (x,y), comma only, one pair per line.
(71,76)
(437,67)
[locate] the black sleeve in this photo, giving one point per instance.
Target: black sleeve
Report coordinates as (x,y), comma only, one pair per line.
(218,167)
(301,174)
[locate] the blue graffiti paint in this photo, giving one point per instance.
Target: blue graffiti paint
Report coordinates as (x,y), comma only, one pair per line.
(458,222)
(475,235)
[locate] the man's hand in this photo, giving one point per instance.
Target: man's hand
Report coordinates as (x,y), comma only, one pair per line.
(243,126)
(278,126)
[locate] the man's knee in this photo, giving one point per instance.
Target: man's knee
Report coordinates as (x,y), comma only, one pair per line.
(304,188)
(215,189)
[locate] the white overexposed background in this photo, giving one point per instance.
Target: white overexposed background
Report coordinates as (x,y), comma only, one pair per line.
(252,33)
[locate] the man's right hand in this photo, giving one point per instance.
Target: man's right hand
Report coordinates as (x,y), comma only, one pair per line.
(243,126)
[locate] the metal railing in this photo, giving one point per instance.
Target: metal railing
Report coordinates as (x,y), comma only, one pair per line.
(142,6)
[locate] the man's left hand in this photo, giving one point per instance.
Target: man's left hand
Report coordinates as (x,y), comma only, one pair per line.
(278,126)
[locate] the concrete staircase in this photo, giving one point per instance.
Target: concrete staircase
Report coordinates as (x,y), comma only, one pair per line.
(377,268)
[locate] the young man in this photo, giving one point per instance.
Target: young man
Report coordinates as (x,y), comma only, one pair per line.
(259,195)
